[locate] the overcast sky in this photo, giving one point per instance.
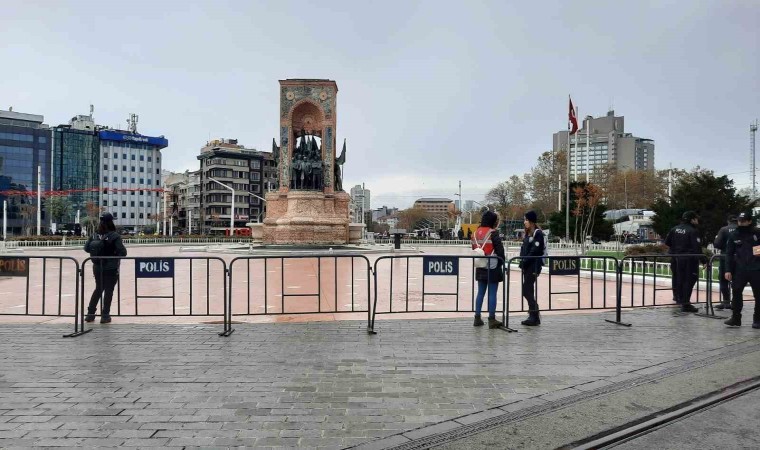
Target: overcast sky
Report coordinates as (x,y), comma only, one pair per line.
(429,92)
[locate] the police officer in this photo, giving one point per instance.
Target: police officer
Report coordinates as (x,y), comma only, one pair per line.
(743,255)
(683,239)
(720,243)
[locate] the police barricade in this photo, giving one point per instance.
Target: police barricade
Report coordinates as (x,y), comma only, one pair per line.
(182,286)
(715,286)
(313,284)
(558,287)
(50,285)
(431,283)
(643,277)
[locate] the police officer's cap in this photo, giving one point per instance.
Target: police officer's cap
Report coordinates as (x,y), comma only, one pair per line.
(106,217)
(689,215)
(745,215)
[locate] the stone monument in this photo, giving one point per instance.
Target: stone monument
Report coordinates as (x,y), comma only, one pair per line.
(310,206)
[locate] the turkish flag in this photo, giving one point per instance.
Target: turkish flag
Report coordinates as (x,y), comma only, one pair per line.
(573,125)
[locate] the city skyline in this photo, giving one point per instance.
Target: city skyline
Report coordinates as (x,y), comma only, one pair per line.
(413,94)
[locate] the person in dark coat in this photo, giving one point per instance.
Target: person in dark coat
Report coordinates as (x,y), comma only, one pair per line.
(106,242)
(533,246)
(743,266)
(683,239)
(489,277)
(721,240)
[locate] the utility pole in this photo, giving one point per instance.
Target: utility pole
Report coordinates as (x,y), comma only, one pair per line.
(670,184)
(39,200)
(752,131)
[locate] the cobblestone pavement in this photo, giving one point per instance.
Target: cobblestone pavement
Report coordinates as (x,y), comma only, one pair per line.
(309,385)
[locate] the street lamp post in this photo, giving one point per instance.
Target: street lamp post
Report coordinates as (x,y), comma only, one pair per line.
(232,211)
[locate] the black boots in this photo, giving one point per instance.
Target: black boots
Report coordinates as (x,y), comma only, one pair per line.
(734,321)
(722,306)
(688,307)
(105,319)
(478,321)
(89,318)
(756,325)
(493,323)
(533,320)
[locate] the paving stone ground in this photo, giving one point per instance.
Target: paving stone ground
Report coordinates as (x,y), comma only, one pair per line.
(311,385)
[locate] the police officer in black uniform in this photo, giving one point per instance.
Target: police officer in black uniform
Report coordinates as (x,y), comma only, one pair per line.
(683,239)
(743,255)
(720,243)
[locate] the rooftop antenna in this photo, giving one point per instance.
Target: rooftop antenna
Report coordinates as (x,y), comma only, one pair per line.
(92,110)
(752,131)
(132,123)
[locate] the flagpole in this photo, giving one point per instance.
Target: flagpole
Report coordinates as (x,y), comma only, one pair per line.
(575,153)
(588,148)
(567,183)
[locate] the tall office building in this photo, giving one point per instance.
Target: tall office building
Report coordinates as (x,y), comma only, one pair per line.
(360,204)
(131,176)
(76,165)
(609,144)
(24,146)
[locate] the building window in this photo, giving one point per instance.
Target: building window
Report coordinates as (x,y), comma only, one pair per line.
(132,203)
(133,158)
(133,167)
(123,156)
(105,179)
(142,169)
(142,157)
(148,204)
(150,159)
(124,168)
(115,167)
(142,181)
(157,184)
(123,203)
(141,215)
(123,179)
(131,215)
(142,204)
(105,166)
(157,172)
(105,202)
(123,215)
(105,155)
(255,164)
(132,180)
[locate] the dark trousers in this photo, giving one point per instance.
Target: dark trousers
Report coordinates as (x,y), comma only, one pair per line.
(529,291)
(674,279)
(725,285)
(687,268)
(740,280)
(105,282)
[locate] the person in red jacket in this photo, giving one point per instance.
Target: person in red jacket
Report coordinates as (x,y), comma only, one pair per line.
(489,277)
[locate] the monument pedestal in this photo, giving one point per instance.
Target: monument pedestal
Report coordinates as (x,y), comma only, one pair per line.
(306,218)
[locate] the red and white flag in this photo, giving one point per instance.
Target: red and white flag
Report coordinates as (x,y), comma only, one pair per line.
(572,124)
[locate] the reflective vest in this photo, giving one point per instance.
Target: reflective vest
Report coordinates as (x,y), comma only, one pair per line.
(483,234)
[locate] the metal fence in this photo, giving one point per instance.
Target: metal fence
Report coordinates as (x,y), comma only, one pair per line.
(431,283)
(276,285)
(50,286)
(148,287)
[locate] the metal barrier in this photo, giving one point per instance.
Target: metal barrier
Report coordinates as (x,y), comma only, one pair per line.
(158,271)
(309,273)
(714,272)
(16,274)
(430,266)
(643,267)
(595,268)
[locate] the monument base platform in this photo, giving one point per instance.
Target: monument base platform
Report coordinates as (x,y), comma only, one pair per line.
(306,218)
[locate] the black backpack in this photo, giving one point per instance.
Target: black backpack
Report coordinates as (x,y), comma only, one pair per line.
(102,245)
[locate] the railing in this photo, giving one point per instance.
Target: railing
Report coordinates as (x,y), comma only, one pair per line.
(436,284)
(276,285)
(151,283)
(128,241)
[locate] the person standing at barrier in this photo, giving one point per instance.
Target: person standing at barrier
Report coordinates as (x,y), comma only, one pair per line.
(743,266)
(532,247)
(683,239)
(489,277)
(106,242)
(721,241)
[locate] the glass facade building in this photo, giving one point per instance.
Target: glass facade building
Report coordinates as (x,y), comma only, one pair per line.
(76,166)
(25,144)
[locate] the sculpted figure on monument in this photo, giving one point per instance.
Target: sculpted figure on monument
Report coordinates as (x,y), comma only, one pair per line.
(337,167)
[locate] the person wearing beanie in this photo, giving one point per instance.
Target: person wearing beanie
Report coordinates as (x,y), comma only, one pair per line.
(743,266)
(683,239)
(721,241)
(486,237)
(104,243)
(532,249)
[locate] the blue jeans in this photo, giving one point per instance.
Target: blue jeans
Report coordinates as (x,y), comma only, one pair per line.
(492,288)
